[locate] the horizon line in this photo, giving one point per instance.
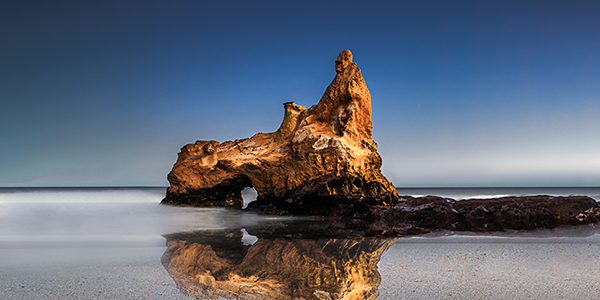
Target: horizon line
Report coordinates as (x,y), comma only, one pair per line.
(397,187)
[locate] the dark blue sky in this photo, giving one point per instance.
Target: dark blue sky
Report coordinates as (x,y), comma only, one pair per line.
(464,93)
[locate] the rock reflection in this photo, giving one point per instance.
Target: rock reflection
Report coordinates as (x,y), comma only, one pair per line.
(280,264)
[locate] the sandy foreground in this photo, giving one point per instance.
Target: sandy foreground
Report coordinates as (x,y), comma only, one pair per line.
(413,268)
(491,268)
(85,273)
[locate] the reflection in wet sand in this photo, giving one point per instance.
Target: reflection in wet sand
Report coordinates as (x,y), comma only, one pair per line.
(213,264)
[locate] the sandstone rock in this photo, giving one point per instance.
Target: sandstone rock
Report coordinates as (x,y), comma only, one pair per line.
(209,265)
(321,158)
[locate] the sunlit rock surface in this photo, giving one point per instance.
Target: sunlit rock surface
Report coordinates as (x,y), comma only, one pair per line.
(214,264)
(320,159)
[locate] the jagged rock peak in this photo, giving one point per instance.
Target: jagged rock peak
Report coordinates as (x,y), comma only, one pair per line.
(343,60)
(320,158)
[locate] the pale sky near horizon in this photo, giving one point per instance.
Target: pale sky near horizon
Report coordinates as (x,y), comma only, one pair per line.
(464,93)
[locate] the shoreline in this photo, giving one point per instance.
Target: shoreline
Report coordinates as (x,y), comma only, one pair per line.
(107,268)
(549,264)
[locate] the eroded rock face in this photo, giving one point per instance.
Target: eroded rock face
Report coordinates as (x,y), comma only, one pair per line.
(209,265)
(320,158)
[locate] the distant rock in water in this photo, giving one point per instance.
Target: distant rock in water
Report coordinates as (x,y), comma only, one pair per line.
(419,215)
(320,159)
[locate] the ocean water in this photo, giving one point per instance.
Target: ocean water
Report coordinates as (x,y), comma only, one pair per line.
(61,217)
(50,219)
(104,217)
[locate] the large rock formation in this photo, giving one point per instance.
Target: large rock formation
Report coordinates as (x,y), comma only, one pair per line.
(321,158)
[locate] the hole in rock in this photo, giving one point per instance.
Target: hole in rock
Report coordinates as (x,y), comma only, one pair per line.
(249,194)
(248,239)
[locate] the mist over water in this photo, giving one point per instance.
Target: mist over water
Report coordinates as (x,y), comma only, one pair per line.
(104,217)
(115,217)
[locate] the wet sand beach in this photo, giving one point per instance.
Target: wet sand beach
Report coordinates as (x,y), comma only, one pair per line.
(435,268)
(491,268)
(85,273)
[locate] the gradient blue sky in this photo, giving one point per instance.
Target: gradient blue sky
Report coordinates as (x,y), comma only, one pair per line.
(464,93)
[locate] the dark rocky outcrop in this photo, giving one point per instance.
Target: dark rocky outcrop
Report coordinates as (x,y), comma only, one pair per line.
(319,159)
(419,215)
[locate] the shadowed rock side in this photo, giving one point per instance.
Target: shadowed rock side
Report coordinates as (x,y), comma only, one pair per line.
(320,158)
(419,215)
(210,265)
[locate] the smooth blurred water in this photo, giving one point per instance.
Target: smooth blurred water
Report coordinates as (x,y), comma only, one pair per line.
(115,217)
(104,217)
